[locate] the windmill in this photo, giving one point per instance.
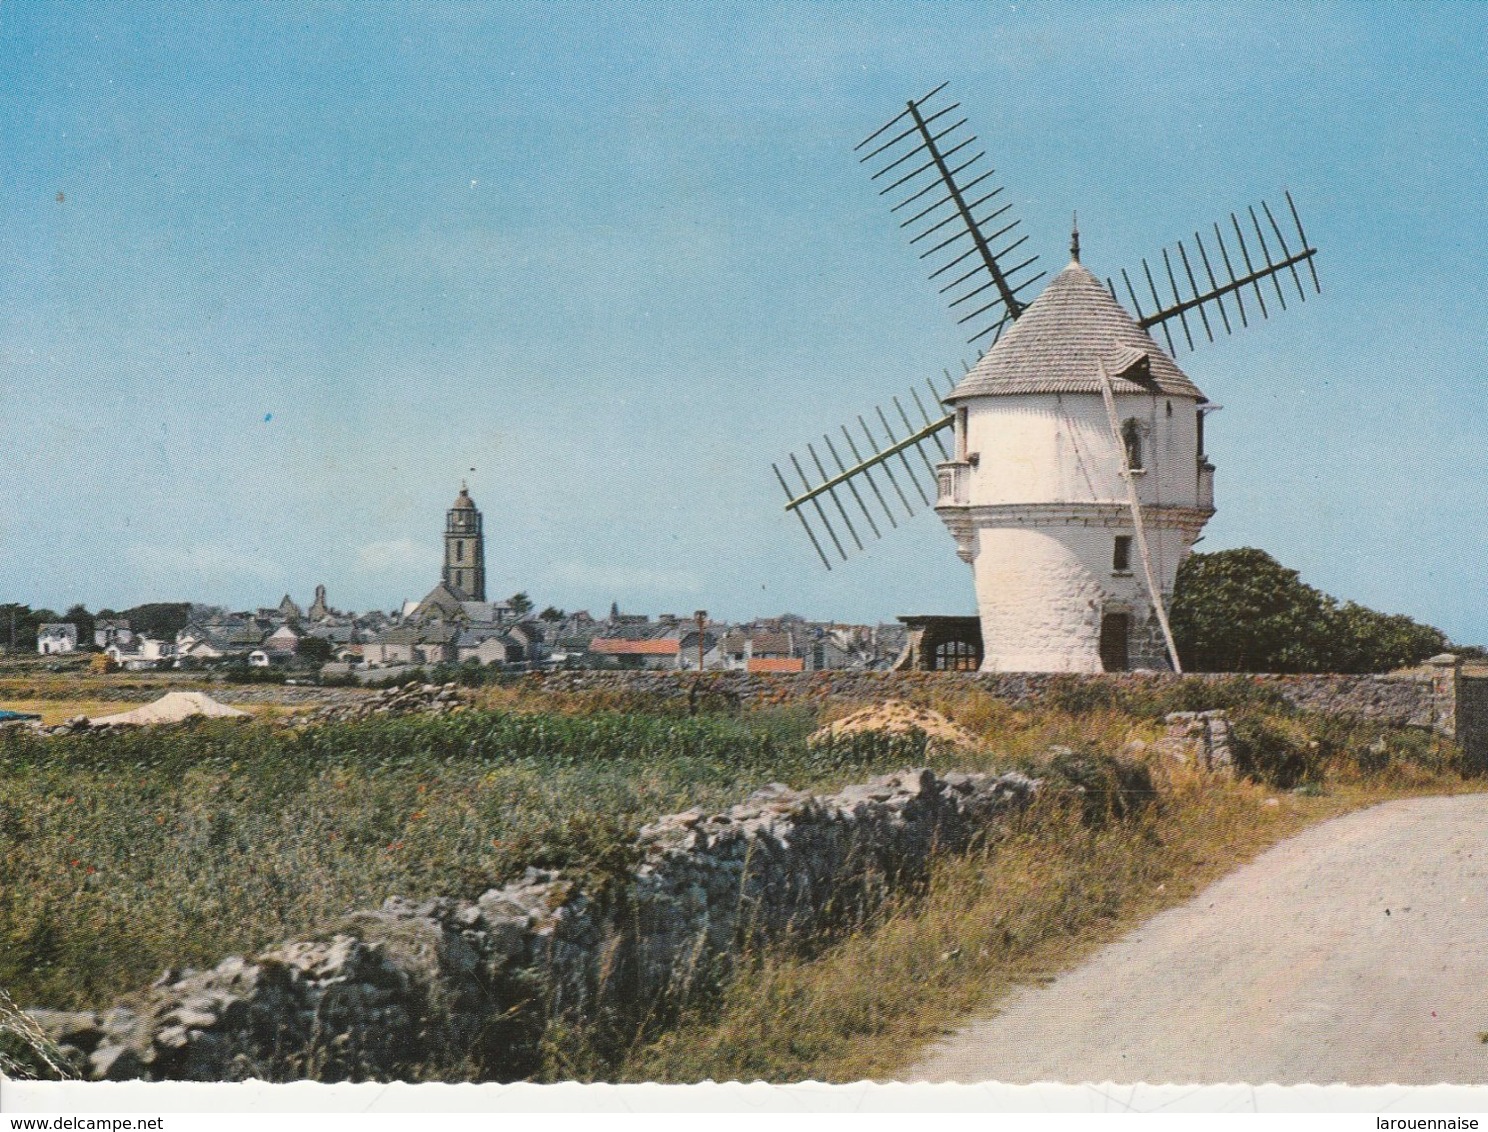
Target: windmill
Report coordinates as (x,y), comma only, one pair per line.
(1076,480)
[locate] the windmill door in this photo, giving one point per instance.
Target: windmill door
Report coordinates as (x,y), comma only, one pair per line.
(1114,630)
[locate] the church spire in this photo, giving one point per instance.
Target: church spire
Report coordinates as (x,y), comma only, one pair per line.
(465,549)
(1075,238)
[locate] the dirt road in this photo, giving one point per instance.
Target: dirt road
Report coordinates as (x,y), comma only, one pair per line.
(1356,952)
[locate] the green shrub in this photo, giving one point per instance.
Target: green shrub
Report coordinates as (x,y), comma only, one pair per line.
(1110,788)
(1276,751)
(1242,611)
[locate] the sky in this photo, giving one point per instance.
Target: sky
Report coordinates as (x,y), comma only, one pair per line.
(275,278)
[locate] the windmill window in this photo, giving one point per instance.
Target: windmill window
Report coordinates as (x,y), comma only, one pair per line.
(1131,437)
(961,433)
(956,656)
(1121,555)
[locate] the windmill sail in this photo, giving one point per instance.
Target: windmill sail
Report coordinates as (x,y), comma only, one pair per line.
(887,459)
(1189,283)
(924,160)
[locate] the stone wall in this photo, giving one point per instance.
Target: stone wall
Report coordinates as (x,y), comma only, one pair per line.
(469,988)
(1418,698)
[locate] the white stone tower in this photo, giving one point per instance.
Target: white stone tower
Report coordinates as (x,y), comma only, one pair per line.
(1035,495)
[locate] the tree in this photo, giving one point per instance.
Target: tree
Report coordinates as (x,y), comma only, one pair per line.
(80,617)
(17,627)
(160,620)
(26,622)
(316,650)
(552,613)
(521,604)
(1362,640)
(1242,611)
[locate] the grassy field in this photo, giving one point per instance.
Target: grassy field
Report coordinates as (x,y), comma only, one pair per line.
(59,696)
(125,854)
(60,711)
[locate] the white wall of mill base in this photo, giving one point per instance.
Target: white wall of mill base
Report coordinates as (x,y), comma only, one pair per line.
(1037,493)
(1044,579)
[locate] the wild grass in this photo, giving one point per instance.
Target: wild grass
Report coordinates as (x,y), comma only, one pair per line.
(121,855)
(54,711)
(37,684)
(1023,907)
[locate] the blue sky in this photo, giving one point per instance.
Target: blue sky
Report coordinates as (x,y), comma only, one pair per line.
(274,278)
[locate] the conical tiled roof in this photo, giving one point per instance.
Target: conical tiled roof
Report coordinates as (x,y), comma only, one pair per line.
(1055,343)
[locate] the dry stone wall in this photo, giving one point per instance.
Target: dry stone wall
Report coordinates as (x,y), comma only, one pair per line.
(1424,698)
(471,987)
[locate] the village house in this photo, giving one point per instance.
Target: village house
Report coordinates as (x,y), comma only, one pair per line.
(282,643)
(663,652)
(107,633)
(142,653)
(219,640)
(827,652)
(713,657)
(392,646)
(56,637)
(782,664)
(489,646)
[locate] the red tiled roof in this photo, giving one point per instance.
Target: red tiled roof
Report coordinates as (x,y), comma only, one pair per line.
(614,646)
(776,664)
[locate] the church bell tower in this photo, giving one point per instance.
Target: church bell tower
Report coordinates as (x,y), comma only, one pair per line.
(465,549)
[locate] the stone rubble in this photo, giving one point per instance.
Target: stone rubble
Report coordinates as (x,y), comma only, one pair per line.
(77,725)
(472,986)
(400,699)
(1203,738)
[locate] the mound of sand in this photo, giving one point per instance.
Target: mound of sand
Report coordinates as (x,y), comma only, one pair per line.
(895,717)
(170,708)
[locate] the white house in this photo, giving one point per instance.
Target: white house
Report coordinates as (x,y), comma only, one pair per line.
(1035,496)
(56,637)
(107,633)
(488,646)
(142,653)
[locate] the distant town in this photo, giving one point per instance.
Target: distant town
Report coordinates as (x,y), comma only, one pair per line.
(454,624)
